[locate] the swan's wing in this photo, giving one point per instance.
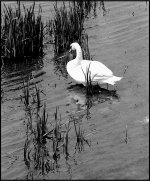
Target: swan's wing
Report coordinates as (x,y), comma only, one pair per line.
(96,68)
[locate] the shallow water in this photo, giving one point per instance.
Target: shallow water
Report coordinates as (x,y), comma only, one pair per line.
(120,40)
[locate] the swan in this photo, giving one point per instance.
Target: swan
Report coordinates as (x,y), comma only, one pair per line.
(79,68)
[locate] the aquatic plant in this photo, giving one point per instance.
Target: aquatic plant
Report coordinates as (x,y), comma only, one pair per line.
(80,139)
(85,47)
(2,71)
(26,94)
(86,6)
(26,99)
(45,142)
(21,33)
(66,27)
(60,63)
(38,100)
(68,24)
(126,135)
(66,140)
(36,154)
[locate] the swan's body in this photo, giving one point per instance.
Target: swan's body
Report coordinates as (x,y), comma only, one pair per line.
(99,73)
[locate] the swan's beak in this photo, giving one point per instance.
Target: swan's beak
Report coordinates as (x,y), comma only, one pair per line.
(70,50)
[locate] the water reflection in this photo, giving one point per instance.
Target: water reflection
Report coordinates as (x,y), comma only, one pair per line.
(11,69)
(78,96)
(13,75)
(60,63)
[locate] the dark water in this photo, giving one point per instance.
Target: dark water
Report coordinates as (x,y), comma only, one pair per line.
(120,40)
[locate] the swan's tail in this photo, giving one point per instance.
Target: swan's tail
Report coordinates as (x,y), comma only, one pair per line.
(112,80)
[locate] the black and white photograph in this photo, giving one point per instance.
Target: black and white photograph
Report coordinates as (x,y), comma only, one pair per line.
(74,90)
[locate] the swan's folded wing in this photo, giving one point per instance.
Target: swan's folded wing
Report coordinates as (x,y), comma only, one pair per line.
(96,68)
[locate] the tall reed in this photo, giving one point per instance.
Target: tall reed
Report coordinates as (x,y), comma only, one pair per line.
(21,33)
(67,26)
(80,139)
(86,6)
(45,142)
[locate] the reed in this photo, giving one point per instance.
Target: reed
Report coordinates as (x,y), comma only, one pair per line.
(41,126)
(41,152)
(38,100)
(21,33)
(2,72)
(126,135)
(26,94)
(27,104)
(80,139)
(85,47)
(86,6)
(66,27)
(57,137)
(26,153)
(36,153)
(60,63)
(44,146)
(66,140)
(102,6)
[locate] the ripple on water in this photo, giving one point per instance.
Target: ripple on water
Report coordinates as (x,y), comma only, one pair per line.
(109,157)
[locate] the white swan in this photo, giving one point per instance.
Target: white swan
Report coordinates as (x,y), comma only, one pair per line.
(99,73)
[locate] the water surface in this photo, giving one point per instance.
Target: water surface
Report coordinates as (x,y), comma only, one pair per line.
(120,40)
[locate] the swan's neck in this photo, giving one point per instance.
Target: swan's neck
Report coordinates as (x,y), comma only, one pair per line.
(79,56)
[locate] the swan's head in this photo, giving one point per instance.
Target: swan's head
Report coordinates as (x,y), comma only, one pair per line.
(74,46)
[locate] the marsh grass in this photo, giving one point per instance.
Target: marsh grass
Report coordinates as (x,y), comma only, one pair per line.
(66,140)
(41,156)
(102,6)
(80,138)
(26,99)
(37,95)
(68,23)
(126,135)
(47,140)
(86,6)
(85,47)
(36,153)
(66,27)
(60,63)
(2,72)
(21,33)
(88,81)
(26,94)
